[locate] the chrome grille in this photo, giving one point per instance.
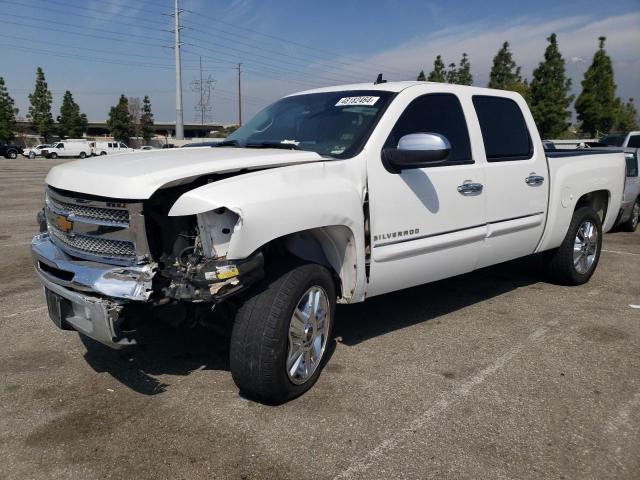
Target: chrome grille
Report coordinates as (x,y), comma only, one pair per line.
(102,230)
(106,215)
(96,246)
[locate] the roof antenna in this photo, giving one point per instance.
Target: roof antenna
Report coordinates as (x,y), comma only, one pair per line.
(379,80)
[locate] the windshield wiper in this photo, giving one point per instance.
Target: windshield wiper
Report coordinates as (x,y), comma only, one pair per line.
(227,143)
(285,146)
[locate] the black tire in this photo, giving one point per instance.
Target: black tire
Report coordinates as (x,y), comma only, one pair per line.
(82,155)
(260,336)
(53,155)
(103,153)
(560,266)
(32,155)
(13,154)
(632,224)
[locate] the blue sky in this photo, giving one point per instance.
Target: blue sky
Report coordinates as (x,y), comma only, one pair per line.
(99,49)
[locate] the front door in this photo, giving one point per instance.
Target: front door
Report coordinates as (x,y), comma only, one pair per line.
(426,223)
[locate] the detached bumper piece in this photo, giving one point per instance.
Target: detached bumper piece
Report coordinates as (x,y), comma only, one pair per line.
(95,317)
(74,292)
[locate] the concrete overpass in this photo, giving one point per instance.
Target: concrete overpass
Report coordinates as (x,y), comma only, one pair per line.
(98,128)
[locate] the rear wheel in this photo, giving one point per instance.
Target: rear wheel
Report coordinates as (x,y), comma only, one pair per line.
(82,155)
(13,154)
(281,333)
(632,224)
(576,259)
(103,153)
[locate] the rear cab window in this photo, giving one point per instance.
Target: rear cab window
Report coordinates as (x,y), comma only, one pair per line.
(634,141)
(504,131)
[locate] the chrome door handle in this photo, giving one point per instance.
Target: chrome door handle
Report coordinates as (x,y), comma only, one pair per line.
(534,180)
(470,189)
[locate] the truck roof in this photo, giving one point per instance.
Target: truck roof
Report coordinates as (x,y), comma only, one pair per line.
(399,86)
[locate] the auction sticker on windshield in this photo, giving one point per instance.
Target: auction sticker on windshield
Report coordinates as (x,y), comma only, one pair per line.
(366,100)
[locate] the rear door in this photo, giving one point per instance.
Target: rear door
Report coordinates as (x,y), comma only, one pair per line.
(422,227)
(517,183)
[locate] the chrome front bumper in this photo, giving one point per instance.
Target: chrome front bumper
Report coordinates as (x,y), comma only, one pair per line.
(87,296)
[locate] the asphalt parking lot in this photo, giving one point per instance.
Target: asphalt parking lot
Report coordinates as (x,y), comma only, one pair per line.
(494,375)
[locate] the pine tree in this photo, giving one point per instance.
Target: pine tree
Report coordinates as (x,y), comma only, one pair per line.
(421,76)
(40,109)
(451,74)
(8,113)
(504,72)
(627,118)
(438,72)
(146,120)
(119,121)
(550,98)
(597,106)
(71,123)
(464,71)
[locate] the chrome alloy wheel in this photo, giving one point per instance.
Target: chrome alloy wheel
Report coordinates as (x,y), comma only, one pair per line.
(308,334)
(585,247)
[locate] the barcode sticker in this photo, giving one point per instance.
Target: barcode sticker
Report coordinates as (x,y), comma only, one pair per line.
(366,100)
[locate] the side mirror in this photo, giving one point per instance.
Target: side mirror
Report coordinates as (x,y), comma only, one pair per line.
(417,150)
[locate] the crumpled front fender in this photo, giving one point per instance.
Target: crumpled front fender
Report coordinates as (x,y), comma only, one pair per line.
(274,203)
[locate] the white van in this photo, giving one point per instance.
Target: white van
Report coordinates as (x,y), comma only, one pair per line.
(67,149)
(102,148)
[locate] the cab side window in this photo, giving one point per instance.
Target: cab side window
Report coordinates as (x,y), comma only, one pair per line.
(504,130)
(634,141)
(436,113)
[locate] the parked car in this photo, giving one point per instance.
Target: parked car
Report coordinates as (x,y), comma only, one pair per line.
(33,152)
(8,150)
(147,147)
(103,148)
(622,140)
(630,209)
(67,149)
(168,145)
(329,196)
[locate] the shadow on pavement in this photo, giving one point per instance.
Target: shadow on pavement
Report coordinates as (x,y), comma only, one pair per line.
(166,350)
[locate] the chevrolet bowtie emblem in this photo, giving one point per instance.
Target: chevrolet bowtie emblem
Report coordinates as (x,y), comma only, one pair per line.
(64,224)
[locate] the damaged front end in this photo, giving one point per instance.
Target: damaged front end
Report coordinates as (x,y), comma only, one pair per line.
(109,265)
(192,255)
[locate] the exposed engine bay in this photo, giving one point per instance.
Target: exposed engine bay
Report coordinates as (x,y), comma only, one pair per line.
(190,251)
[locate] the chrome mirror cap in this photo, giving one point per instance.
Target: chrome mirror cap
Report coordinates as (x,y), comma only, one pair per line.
(424,142)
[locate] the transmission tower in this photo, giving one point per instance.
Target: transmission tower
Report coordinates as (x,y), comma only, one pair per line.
(202,87)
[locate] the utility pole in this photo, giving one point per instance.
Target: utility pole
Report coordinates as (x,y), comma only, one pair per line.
(201,94)
(179,118)
(239,96)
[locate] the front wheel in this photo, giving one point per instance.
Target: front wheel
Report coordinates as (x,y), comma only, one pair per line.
(32,155)
(576,259)
(53,156)
(281,333)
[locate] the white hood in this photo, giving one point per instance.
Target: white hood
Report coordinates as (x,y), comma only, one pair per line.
(138,175)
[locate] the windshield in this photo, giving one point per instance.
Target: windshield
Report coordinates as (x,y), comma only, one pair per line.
(335,124)
(613,140)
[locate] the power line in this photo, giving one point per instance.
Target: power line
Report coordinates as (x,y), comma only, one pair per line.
(297,61)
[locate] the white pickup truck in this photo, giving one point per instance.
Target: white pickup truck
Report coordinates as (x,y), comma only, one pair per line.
(330,195)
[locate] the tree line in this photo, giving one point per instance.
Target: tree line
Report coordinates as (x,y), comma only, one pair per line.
(598,108)
(131,117)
